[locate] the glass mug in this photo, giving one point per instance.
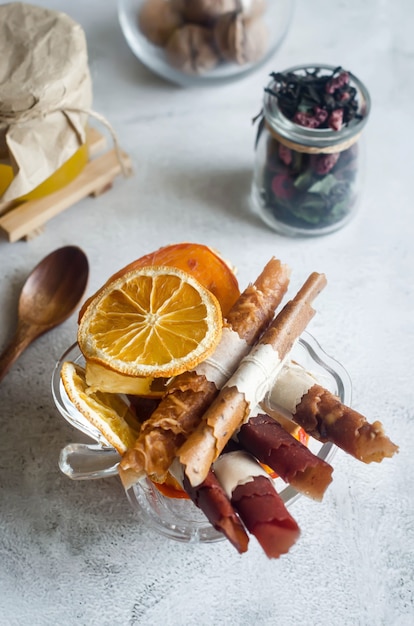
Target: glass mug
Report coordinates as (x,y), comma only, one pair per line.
(179,518)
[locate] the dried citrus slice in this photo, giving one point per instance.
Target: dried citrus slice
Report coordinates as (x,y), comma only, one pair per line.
(108,412)
(202,262)
(101,378)
(199,260)
(154,321)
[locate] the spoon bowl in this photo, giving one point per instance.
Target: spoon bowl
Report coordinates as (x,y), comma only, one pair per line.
(49,296)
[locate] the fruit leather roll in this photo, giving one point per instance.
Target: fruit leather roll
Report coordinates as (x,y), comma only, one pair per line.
(254,497)
(249,384)
(211,498)
(269,442)
(323,416)
(189,394)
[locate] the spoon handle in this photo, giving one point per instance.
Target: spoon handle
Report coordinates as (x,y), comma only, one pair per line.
(24,335)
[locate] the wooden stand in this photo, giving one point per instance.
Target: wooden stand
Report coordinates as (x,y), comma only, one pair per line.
(27,220)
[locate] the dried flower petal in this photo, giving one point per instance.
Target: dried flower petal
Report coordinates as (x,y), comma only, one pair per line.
(312,99)
(323,163)
(337,82)
(336,119)
(285,154)
(282,186)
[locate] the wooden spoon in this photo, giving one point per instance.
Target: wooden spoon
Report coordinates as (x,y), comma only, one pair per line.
(49,296)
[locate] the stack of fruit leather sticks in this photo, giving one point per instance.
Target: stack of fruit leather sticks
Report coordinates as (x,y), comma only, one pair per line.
(192,432)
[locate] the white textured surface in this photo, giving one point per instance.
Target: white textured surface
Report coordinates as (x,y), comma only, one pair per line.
(73,553)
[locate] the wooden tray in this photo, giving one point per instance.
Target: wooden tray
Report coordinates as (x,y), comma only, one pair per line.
(27,220)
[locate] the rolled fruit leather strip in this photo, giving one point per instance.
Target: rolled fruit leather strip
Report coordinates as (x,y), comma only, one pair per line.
(269,442)
(189,394)
(211,498)
(252,493)
(296,464)
(250,383)
(325,418)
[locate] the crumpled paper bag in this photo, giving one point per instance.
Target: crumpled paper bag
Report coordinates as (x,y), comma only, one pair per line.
(45,93)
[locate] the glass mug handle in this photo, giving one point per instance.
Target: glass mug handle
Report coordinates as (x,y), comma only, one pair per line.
(81,461)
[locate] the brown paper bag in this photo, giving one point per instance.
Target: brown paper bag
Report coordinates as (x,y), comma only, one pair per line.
(45,93)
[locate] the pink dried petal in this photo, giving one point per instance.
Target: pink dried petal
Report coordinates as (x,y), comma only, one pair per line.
(282,186)
(337,83)
(320,114)
(323,163)
(306,119)
(311,120)
(285,154)
(343,97)
(336,119)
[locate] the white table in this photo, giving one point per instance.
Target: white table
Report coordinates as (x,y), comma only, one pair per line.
(72,552)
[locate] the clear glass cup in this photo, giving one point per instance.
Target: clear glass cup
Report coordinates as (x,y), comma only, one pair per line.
(179,518)
(307,181)
(212,53)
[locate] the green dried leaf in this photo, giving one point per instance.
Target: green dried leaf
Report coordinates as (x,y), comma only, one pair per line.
(324,185)
(304,181)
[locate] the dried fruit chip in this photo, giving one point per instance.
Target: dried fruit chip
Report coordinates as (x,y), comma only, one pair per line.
(101,378)
(108,412)
(153,321)
(203,263)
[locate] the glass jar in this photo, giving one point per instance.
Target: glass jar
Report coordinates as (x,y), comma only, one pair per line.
(307,180)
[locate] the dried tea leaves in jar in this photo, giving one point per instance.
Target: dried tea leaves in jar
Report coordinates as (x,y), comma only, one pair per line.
(307,170)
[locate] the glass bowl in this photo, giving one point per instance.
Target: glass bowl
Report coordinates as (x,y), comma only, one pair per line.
(275,20)
(179,518)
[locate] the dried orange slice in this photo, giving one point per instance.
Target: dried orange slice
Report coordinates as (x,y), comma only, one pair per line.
(199,260)
(101,378)
(202,262)
(108,412)
(154,321)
